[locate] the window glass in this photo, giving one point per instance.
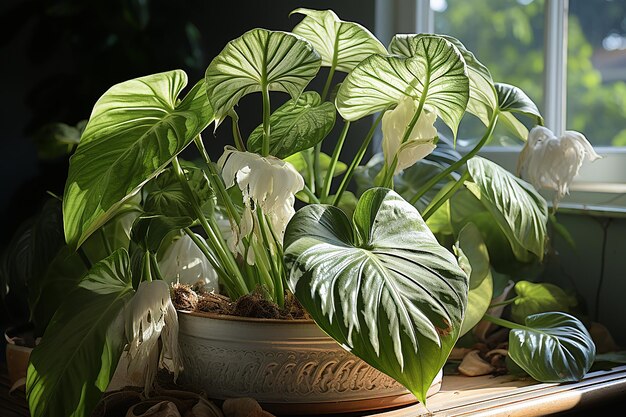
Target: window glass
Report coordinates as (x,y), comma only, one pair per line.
(596,70)
(505,35)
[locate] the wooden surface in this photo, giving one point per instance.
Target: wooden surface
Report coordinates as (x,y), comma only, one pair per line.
(463,396)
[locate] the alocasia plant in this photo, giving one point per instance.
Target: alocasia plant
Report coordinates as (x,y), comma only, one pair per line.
(395,269)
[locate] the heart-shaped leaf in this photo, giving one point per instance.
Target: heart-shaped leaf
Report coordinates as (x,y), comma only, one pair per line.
(482,94)
(473,254)
(513,101)
(540,297)
(519,210)
(435,74)
(72,366)
(341,44)
(259,60)
(552,347)
(134,131)
(381,285)
(296,125)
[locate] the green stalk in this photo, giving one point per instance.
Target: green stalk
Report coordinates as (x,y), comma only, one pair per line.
(388,177)
(333,160)
(210,256)
(433,206)
(310,169)
(505,323)
(434,180)
(83,257)
(217,242)
(154,267)
(105,242)
(265,150)
(504,303)
(317,169)
(147,274)
(216,181)
(357,160)
(312,197)
(234,117)
(277,280)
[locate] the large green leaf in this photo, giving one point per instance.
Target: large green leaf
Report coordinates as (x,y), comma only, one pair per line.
(259,60)
(539,297)
(473,254)
(380,285)
(519,210)
(296,125)
(72,366)
(341,44)
(134,131)
(435,73)
(552,347)
(512,102)
(482,94)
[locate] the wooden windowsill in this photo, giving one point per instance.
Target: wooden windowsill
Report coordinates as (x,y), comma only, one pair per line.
(507,396)
(466,396)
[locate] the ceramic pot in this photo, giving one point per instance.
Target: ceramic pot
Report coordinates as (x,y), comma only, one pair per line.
(288,366)
(20,343)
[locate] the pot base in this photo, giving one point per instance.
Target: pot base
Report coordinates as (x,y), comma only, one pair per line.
(288,366)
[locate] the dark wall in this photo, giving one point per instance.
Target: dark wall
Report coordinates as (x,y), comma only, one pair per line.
(59,56)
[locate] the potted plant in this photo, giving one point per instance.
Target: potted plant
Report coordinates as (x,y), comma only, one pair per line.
(395,269)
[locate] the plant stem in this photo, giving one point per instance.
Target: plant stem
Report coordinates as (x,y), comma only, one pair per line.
(357,160)
(265,150)
(331,73)
(317,170)
(434,180)
(154,267)
(83,257)
(433,206)
(505,323)
(234,117)
(277,279)
(389,171)
(333,160)
(504,303)
(216,181)
(213,235)
(312,197)
(147,273)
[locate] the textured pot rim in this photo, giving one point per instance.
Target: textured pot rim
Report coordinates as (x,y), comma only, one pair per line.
(228,317)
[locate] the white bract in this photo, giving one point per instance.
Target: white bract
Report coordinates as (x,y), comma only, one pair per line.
(268,183)
(550,162)
(183,262)
(421,140)
(151,315)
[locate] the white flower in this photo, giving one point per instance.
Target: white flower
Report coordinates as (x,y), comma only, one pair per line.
(550,162)
(183,262)
(151,315)
(421,141)
(266,182)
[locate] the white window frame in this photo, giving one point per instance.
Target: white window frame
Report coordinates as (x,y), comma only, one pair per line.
(600,186)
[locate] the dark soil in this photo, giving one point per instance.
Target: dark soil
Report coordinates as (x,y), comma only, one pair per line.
(254,305)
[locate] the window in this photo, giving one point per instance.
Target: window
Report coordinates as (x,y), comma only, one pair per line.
(568,56)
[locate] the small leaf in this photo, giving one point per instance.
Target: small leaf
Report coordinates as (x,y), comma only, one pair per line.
(472,251)
(513,101)
(436,71)
(552,347)
(341,43)
(136,128)
(72,366)
(259,60)
(533,298)
(296,125)
(519,210)
(382,286)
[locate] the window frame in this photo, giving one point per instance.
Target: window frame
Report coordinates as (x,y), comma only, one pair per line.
(599,186)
